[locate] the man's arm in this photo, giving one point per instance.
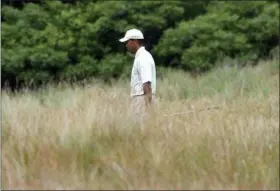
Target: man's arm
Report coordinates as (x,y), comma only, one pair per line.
(146,78)
(147,92)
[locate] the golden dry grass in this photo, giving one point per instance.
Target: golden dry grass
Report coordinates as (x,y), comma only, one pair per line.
(83,138)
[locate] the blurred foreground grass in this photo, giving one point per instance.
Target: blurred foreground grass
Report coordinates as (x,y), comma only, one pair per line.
(83,138)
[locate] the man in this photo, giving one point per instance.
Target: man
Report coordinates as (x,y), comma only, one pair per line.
(143,74)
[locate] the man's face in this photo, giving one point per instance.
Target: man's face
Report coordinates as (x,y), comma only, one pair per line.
(131,46)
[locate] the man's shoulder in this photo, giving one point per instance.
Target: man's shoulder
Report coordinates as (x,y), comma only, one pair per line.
(147,55)
(147,52)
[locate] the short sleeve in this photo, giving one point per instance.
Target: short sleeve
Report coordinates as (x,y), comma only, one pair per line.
(145,70)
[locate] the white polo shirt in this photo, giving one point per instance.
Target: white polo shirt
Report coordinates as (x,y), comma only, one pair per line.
(143,70)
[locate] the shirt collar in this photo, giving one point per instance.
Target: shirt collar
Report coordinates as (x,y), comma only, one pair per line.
(139,51)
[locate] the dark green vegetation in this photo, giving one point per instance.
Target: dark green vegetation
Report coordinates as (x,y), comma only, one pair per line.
(49,41)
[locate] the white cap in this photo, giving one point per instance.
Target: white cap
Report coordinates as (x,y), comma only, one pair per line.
(132,34)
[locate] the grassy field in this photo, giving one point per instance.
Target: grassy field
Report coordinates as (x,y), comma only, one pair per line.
(83,137)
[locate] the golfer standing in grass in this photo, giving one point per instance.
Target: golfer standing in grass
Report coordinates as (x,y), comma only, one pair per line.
(143,74)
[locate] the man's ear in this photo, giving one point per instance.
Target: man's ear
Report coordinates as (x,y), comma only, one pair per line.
(135,41)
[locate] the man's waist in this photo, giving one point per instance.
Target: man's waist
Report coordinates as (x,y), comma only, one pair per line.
(137,95)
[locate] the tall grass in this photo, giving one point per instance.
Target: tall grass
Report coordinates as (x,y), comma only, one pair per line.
(84,137)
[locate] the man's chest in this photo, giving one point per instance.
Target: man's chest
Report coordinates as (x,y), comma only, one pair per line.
(135,70)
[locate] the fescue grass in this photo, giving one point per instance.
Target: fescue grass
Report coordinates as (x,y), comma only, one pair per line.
(84,137)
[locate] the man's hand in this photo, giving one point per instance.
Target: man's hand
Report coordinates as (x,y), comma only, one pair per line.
(147,92)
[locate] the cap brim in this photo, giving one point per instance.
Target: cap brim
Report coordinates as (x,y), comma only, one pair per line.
(123,39)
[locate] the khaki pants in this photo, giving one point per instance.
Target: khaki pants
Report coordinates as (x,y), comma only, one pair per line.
(139,110)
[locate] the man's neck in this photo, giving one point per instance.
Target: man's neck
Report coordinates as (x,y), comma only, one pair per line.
(137,49)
